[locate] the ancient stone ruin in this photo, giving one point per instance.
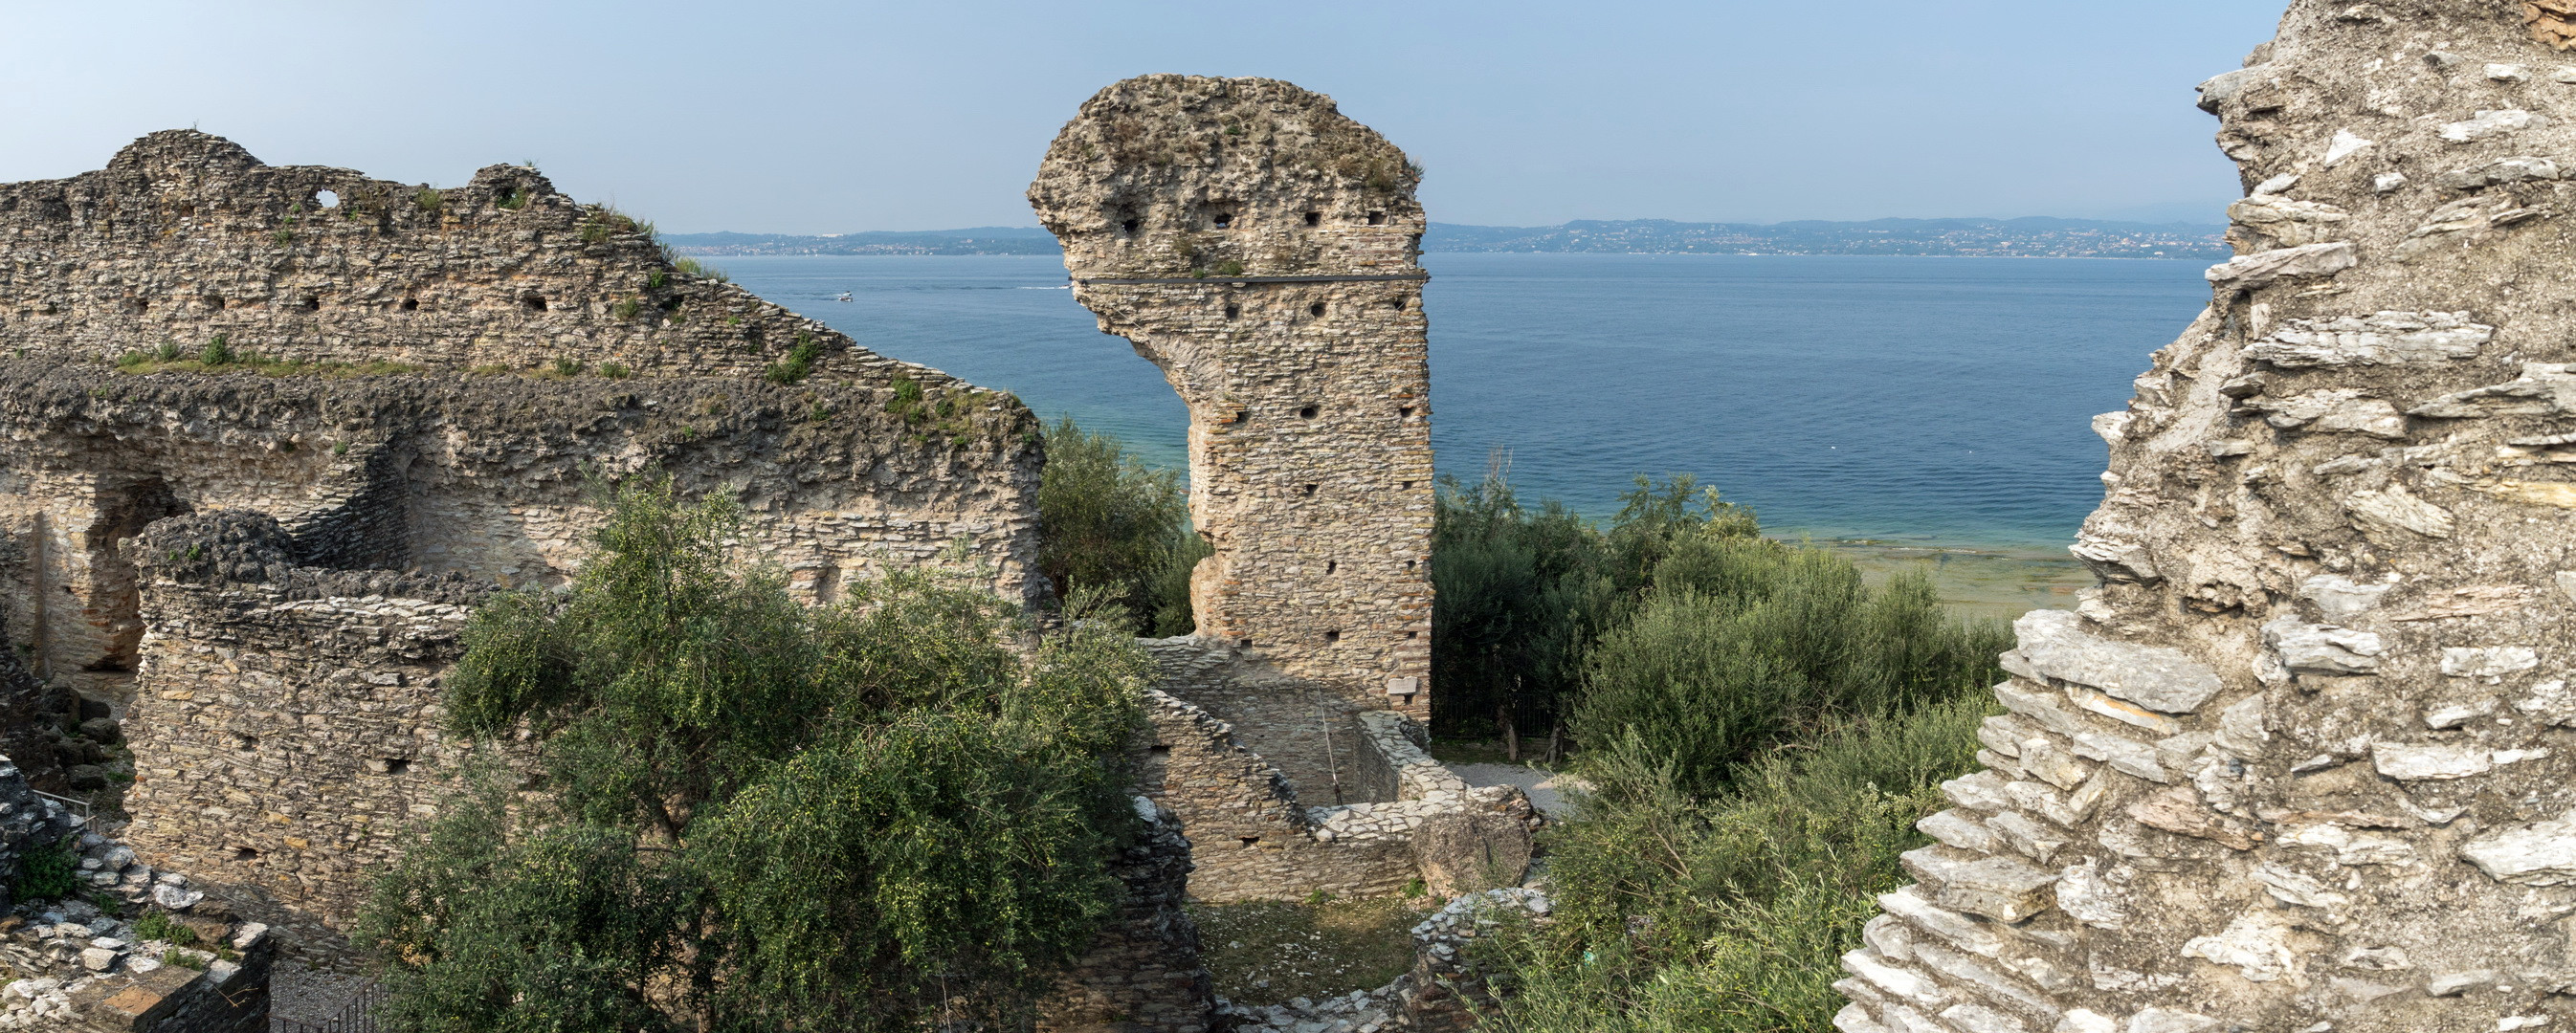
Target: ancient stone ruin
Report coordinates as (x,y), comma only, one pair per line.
(1260,247)
(2301,762)
(268,435)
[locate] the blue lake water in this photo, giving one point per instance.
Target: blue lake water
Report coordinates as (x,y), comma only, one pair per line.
(1913,401)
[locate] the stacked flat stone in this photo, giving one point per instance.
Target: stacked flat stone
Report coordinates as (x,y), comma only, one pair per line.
(2302,761)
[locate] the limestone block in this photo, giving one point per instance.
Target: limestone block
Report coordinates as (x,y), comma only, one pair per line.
(2002,888)
(2159,678)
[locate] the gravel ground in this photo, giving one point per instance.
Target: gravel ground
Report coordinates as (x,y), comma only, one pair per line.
(309,995)
(1542,786)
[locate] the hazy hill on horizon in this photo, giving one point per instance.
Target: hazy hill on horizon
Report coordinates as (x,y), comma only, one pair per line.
(2031,236)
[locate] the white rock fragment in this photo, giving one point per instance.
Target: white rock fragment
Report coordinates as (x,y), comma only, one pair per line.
(2276,185)
(2457,713)
(2349,847)
(1854,1019)
(2381,339)
(2344,145)
(2248,272)
(1977,1018)
(1960,830)
(2160,678)
(2001,888)
(2169,1020)
(2086,893)
(2387,182)
(2488,661)
(2543,389)
(2452,984)
(2413,762)
(1896,982)
(2291,887)
(2541,853)
(2393,509)
(2549,701)
(2085,1020)
(2322,648)
(2487,125)
(2256,944)
(2513,1022)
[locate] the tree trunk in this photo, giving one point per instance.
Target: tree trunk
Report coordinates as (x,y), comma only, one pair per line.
(1511,736)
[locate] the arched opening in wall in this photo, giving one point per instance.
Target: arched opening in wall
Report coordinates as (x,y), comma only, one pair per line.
(326,199)
(107,641)
(1224,220)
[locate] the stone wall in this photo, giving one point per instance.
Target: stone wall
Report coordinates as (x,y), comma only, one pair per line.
(488,476)
(1251,838)
(185,236)
(1142,972)
(2302,761)
(288,730)
(1259,247)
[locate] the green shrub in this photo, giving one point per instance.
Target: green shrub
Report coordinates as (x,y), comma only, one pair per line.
(157,925)
(1112,527)
(49,873)
(615,370)
(1727,915)
(800,362)
(781,816)
(218,352)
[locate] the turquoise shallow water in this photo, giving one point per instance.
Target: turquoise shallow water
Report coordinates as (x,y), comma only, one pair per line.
(1910,401)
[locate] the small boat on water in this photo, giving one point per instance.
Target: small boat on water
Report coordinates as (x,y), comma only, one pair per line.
(845,296)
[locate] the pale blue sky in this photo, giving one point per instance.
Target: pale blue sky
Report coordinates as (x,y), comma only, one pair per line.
(831,117)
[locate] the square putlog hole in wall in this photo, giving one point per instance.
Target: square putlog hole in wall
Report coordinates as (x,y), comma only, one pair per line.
(1308,412)
(1315,309)
(1314,218)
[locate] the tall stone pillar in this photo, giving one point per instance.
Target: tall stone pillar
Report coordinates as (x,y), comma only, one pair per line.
(2301,763)
(1260,248)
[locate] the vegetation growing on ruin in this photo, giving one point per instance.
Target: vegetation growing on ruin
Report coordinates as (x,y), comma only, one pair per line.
(1727,911)
(1761,729)
(219,356)
(743,813)
(1110,525)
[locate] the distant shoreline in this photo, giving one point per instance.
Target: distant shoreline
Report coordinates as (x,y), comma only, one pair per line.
(2035,237)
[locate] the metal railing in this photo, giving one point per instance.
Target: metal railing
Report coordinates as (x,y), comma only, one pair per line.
(87,810)
(353,1017)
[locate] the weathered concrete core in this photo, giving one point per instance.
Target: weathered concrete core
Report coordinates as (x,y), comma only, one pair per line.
(2302,762)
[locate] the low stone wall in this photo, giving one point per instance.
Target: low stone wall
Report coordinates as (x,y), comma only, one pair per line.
(1251,837)
(1142,973)
(1446,987)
